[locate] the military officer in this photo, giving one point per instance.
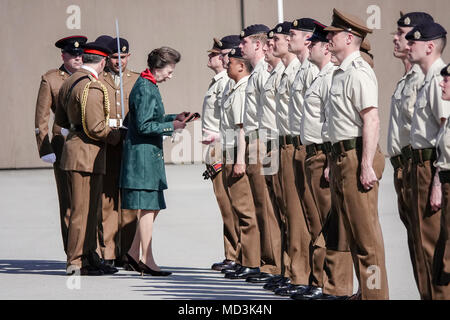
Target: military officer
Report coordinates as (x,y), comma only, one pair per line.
(426,43)
(235,178)
(441,263)
(398,142)
(354,131)
(253,39)
(212,109)
(83,106)
(117,227)
(46,103)
(331,270)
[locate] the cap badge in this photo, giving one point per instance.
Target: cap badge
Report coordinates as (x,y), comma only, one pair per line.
(407,21)
(417,35)
(233,51)
(219,43)
(124,48)
(242,33)
(448,69)
(295,23)
(76,44)
(279,29)
(271,34)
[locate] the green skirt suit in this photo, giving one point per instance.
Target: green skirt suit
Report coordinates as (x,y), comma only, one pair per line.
(143,175)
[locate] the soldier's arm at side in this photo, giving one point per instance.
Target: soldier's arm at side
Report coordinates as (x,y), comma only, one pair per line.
(370,136)
(42,117)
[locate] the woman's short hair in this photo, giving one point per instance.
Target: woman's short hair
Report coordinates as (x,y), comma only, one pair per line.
(161,57)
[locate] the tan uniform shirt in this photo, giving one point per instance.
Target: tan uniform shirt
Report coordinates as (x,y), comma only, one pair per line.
(429,109)
(47,99)
(80,152)
(282,97)
(268,119)
(316,97)
(443,147)
(353,89)
(253,103)
(233,113)
(212,103)
(112,82)
(402,110)
(305,76)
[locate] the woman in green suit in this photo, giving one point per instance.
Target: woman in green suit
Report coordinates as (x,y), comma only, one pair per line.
(143,176)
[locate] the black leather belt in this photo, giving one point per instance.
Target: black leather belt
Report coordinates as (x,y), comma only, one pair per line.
(270,144)
(346,145)
(313,149)
(444,176)
(422,155)
(285,140)
(406,153)
(397,161)
(297,142)
(327,146)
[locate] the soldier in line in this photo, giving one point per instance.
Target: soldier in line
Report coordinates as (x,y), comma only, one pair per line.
(354,132)
(235,178)
(83,106)
(253,38)
(331,271)
(47,100)
(426,43)
(441,262)
(117,227)
(211,113)
(398,141)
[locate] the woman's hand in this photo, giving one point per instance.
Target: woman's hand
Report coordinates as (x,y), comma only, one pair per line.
(182,115)
(177,124)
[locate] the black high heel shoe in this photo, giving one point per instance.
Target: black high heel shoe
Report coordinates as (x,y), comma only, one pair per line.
(146,269)
(132,263)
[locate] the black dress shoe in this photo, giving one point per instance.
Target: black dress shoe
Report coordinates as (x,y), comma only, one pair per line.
(107,269)
(86,271)
(262,277)
(218,266)
(311,293)
(110,263)
(290,290)
(232,267)
(242,273)
(277,283)
(147,270)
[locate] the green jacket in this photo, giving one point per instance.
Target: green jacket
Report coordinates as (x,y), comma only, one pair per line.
(143,161)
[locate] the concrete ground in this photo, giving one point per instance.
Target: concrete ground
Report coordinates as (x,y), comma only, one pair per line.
(187,240)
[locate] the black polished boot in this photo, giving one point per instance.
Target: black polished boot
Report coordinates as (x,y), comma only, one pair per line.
(242,273)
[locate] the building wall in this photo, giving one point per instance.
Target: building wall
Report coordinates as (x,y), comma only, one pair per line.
(29,30)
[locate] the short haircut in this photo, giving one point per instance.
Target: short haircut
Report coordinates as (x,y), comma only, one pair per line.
(161,57)
(440,44)
(91,58)
(262,37)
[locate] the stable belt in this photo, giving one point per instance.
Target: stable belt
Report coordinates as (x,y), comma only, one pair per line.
(285,140)
(422,155)
(297,142)
(341,147)
(397,161)
(313,149)
(406,153)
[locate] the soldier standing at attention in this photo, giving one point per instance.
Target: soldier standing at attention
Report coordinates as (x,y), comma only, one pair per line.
(117,227)
(426,42)
(398,142)
(212,109)
(253,39)
(84,107)
(47,100)
(357,161)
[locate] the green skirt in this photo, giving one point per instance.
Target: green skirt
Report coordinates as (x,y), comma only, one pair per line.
(134,199)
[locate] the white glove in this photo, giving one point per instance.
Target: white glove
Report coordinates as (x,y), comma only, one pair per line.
(50,158)
(64,132)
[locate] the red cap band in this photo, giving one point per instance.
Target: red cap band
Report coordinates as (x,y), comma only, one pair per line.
(95,52)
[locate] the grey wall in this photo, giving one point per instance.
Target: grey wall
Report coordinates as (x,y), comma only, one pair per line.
(30,28)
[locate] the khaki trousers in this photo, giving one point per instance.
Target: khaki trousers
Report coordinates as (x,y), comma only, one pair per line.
(241,198)
(296,259)
(402,184)
(268,225)
(62,187)
(359,209)
(330,269)
(441,263)
(429,224)
(86,189)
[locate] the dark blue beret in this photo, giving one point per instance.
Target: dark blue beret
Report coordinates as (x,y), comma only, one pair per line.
(123,45)
(303,24)
(426,32)
(72,44)
(230,42)
(235,53)
(445,72)
(282,28)
(319,33)
(413,19)
(254,29)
